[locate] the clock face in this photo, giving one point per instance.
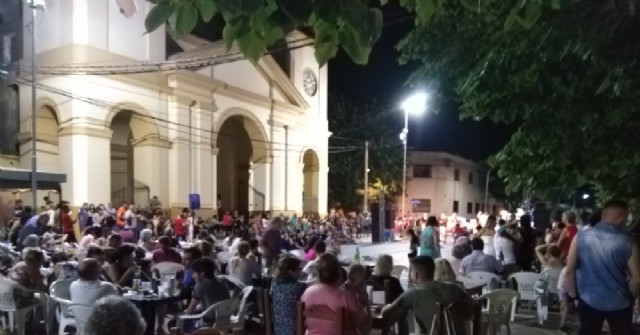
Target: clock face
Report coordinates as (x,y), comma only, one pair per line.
(309,82)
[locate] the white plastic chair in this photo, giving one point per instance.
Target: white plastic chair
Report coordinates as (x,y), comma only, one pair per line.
(81,315)
(547,293)
(237,320)
(526,282)
(8,304)
(481,277)
(60,292)
(502,303)
(222,310)
(168,269)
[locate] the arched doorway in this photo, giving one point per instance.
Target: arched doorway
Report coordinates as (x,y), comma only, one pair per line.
(122,165)
(47,124)
(242,152)
(311,181)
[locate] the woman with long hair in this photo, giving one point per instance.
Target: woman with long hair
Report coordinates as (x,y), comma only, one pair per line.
(430,239)
(286,291)
(487,234)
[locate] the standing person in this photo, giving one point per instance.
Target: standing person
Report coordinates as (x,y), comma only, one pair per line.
(179,226)
(599,264)
(67,224)
(429,239)
(272,242)
(414,241)
(570,230)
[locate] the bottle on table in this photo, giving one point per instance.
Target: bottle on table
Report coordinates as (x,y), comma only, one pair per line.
(357,256)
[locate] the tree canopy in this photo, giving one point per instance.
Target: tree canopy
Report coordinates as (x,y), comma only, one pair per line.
(569,81)
(352,123)
(353,25)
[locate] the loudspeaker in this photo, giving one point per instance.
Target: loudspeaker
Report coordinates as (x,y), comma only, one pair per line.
(389,220)
(376,231)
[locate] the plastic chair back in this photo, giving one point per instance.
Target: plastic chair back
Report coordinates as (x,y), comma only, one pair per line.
(81,314)
(526,284)
(7,300)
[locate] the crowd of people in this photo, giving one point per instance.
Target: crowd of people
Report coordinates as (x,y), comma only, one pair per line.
(299,259)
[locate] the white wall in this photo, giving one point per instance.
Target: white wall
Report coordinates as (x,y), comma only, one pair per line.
(442,188)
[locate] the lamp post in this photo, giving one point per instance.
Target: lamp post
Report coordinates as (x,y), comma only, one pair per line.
(416,104)
(34,5)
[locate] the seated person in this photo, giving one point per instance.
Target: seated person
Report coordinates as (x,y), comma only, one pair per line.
(356,284)
(327,292)
(243,267)
(383,272)
(89,288)
(207,292)
(478,261)
(424,298)
(115,315)
(27,273)
(165,253)
(122,268)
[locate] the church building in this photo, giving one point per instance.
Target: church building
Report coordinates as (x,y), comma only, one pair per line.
(127,115)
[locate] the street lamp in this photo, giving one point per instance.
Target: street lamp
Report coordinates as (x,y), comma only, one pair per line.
(414,104)
(585,196)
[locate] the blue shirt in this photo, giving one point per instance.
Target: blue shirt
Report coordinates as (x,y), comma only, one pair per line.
(601,270)
(188,281)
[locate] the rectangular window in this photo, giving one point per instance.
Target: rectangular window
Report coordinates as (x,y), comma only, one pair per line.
(456,174)
(471,178)
(469,208)
(455,206)
(421,205)
(422,171)
(477,207)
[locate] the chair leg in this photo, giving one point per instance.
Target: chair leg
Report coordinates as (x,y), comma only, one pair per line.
(508,329)
(12,321)
(20,322)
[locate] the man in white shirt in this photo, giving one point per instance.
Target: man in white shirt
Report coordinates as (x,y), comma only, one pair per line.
(88,289)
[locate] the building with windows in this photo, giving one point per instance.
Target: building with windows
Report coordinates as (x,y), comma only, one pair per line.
(439,182)
(242,135)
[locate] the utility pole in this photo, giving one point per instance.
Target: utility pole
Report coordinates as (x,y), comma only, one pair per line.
(35,5)
(365,203)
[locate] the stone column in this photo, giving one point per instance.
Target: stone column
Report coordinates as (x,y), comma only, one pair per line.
(151,168)
(86,160)
(260,182)
(214,179)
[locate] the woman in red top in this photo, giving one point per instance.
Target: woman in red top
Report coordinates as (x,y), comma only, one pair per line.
(67,224)
(568,233)
(181,232)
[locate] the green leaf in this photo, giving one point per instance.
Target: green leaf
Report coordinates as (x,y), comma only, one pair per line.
(354,13)
(233,29)
(298,10)
(326,42)
(555,4)
(326,9)
(532,11)
(351,42)
(282,20)
(250,6)
(230,9)
(375,24)
(425,9)
(157,16)
(186,18)
(208,8)
(252,46)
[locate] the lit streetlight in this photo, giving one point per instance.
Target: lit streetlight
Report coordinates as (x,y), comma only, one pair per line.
(585,196)
(414,104)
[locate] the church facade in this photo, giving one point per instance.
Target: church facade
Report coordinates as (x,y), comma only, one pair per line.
(243,136)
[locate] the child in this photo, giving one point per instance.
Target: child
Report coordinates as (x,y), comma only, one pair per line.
(356,284)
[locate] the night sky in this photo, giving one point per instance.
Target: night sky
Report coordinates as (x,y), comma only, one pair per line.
(384,79)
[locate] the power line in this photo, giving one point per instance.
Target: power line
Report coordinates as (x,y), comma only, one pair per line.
(145,67)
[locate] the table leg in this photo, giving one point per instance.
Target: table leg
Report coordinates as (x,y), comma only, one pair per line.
(148,312)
